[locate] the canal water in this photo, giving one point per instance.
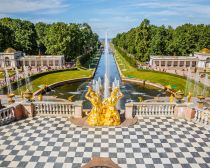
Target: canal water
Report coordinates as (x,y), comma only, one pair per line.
(131,91)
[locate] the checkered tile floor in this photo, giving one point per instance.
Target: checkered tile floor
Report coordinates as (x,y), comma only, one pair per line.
(153,142)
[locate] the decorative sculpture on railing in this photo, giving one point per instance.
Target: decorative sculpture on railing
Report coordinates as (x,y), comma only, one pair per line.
(104,113)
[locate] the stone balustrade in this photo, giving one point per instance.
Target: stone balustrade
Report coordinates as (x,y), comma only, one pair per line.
(64,109)
(202,117)
(7,115)
(149,109)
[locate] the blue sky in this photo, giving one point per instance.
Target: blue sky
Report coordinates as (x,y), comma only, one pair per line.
(113,16)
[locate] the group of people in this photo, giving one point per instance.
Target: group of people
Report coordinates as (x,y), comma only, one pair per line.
(104,113)
(32,71)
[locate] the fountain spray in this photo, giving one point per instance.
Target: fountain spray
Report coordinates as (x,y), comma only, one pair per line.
(7,78)
(106,75)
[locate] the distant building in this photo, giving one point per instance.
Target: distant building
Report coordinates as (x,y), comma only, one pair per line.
(204,59)
(11,58)
(200,60)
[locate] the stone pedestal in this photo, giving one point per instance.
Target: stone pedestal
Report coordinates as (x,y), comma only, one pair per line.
(19,112)
(189,113)
(78,109)
(129,111)
(28,109)
(179,111)
(200,104)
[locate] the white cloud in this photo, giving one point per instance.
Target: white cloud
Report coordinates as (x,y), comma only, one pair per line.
(21,6)
(184,7)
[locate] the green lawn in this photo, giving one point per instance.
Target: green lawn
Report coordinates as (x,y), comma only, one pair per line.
(58,76)
(11,73)
(154,77)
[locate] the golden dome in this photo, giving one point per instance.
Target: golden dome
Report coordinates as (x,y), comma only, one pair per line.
(205,51)
(9,50)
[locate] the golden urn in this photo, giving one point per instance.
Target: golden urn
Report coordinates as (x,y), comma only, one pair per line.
(10,98)
(179,96)
(28,95)
(200,101)
(40,97)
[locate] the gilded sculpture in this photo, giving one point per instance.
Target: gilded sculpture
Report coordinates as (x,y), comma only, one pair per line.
(104,113)
(94,115)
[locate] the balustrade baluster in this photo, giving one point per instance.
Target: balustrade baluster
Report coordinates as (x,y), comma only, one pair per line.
(62,109)
(159,109)
(44,109)
(199,116)
(145,109)
(12,113)
(58,109)
(205,117)
(155,110)
(47,108)
(139,110)
(142,110)
(4,115)
(196,116)
(1,119)
(151,109)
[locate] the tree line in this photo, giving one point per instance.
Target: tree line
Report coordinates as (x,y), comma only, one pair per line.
(148,39)
(59,38)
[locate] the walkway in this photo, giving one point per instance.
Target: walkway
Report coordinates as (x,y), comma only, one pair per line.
(153,142)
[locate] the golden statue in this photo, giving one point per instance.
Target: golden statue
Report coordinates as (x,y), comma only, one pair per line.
(141,99)
(94,115)
(70,98)
(171,98)
(111,115)
(40,97)
(104,113)
(189,97)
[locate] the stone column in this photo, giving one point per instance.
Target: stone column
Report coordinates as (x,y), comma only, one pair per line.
(41,62)
(178,64)
(166,64)
(78,109)
(172,63)
(54,62)
(190,64)
(159,63)
(35,62)
(185,63)
(128,110)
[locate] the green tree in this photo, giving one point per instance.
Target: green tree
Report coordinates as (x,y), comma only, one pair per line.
(6,37)
(41,30)
(24,34)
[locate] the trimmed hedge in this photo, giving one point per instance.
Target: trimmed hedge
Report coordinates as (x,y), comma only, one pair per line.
(131,61)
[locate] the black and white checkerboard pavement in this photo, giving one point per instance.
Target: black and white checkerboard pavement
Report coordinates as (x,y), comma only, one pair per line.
(153,142)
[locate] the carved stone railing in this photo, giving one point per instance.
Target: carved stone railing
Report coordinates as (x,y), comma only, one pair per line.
(7,115)
(150,109)
(64,109)
(202,117)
